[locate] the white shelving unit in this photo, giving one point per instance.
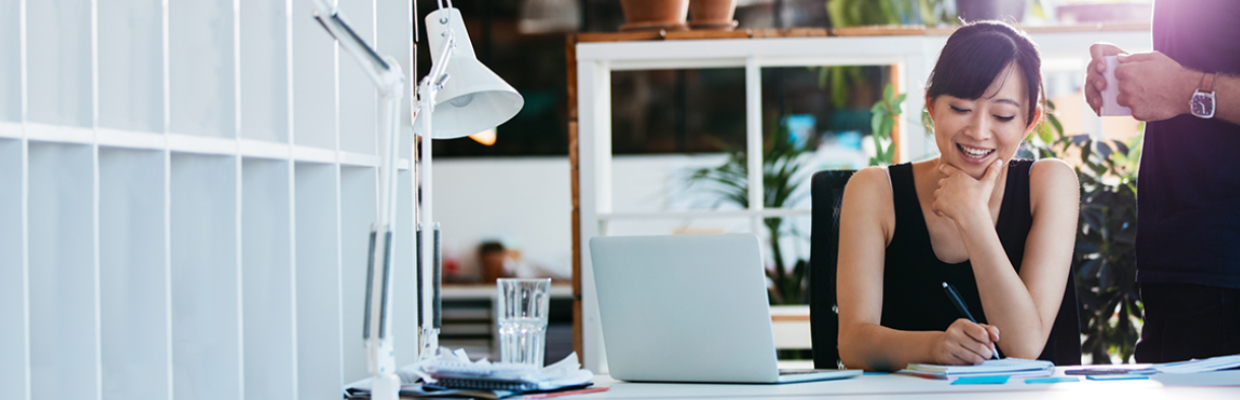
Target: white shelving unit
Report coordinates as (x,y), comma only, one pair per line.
(186,190)
(912,55)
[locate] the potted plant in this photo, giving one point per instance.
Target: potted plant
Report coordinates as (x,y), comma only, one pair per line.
(712,14)
(1104,260)
(654,14)
(783,170)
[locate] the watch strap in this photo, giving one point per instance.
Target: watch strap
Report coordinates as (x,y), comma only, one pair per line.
(1207,83)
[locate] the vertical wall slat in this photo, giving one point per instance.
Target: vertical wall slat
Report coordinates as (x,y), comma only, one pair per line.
(132,274)
(131,94)
(10,61)
(62,272)
(12,271)
(204,250)
(202,75)
(267,280)
(314,80)
(58,43)
(318,297)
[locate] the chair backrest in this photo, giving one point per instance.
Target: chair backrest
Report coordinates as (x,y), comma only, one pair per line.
(827,195)
(827,191)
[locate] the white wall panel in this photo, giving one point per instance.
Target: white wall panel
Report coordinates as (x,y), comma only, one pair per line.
(133,275)
(12,272)
(63,331)
(267,276)
(205,332)
(318,284)
(314,80)
(10,60)
(394,30)
(264,70)
(359,100)
(131,66)
(58,35)
(202,76)
(357,213)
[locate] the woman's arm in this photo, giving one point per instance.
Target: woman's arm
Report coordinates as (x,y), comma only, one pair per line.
(867,222)
(1024,306)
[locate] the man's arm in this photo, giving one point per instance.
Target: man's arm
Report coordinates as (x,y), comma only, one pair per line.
(1156,88)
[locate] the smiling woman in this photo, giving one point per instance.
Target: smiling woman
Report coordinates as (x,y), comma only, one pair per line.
(998,229)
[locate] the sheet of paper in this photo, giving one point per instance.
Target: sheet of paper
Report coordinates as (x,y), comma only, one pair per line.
(1206,365)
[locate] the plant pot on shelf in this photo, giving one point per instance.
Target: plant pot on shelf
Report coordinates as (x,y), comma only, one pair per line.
(712,14)
(979,10)
(644,15)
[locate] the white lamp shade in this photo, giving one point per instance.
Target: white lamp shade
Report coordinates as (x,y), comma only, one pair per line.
(474,98)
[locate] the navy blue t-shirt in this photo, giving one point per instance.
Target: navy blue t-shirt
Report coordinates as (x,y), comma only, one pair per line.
(1188,196)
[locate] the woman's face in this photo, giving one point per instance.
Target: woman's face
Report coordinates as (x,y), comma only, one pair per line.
(972,134)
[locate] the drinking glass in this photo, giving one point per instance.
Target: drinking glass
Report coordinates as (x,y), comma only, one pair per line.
(523,305)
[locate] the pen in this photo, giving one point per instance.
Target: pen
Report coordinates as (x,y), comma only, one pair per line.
(955,299)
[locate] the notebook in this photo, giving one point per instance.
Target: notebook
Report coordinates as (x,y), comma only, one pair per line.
(688,308)
(1007,366)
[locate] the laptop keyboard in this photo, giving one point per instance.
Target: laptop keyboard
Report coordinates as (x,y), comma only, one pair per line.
(785,372)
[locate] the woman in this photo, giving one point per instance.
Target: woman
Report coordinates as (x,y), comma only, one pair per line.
(1000,230)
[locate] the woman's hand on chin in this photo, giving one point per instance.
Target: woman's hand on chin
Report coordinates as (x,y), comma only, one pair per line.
(960,196)
(965,343)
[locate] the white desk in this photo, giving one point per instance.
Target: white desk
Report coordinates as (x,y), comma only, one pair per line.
(1213,385)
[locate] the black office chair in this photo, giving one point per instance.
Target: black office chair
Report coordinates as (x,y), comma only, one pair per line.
(827,192)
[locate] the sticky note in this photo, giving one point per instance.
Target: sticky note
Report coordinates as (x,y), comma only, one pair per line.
(981,380)
(1053,379)
(1115,377)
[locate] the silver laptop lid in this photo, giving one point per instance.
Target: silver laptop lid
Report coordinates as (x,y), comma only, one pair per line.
(690,308)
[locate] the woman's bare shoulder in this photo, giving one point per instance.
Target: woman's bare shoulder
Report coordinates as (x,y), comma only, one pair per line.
(1053,180)
(870,181)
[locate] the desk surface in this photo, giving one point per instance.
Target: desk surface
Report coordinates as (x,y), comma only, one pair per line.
(1212,385)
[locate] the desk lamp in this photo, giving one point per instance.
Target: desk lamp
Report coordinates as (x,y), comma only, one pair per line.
(463,97)
(476,100)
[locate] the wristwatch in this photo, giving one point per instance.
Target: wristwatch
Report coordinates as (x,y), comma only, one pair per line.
(1202,103)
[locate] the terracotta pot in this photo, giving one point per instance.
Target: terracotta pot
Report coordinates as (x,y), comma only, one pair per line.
(711,11)
(654,14)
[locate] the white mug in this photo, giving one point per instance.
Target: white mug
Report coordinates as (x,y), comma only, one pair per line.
(1109,105)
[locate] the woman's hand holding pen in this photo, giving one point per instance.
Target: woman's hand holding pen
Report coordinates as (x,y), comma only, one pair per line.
(960,197)
(965,343)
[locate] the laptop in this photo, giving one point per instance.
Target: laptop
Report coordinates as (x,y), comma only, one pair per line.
(688,308)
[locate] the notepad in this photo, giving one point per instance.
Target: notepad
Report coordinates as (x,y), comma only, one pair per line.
(1008,366)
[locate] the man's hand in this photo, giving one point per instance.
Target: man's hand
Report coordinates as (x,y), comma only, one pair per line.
(1154,86)
(1094,82)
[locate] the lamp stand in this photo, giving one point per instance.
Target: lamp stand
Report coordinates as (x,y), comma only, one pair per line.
(430,303)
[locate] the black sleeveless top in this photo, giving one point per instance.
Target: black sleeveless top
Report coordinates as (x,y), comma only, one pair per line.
(913,298)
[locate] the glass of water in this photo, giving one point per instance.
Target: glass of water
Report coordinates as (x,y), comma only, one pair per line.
(523,305)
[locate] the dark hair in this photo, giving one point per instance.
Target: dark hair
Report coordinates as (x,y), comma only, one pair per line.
(976,53)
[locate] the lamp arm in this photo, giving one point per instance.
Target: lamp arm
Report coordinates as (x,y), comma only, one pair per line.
(383,71)
(428,270)
(390,80)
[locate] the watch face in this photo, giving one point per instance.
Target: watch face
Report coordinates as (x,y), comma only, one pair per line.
(1203,104)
